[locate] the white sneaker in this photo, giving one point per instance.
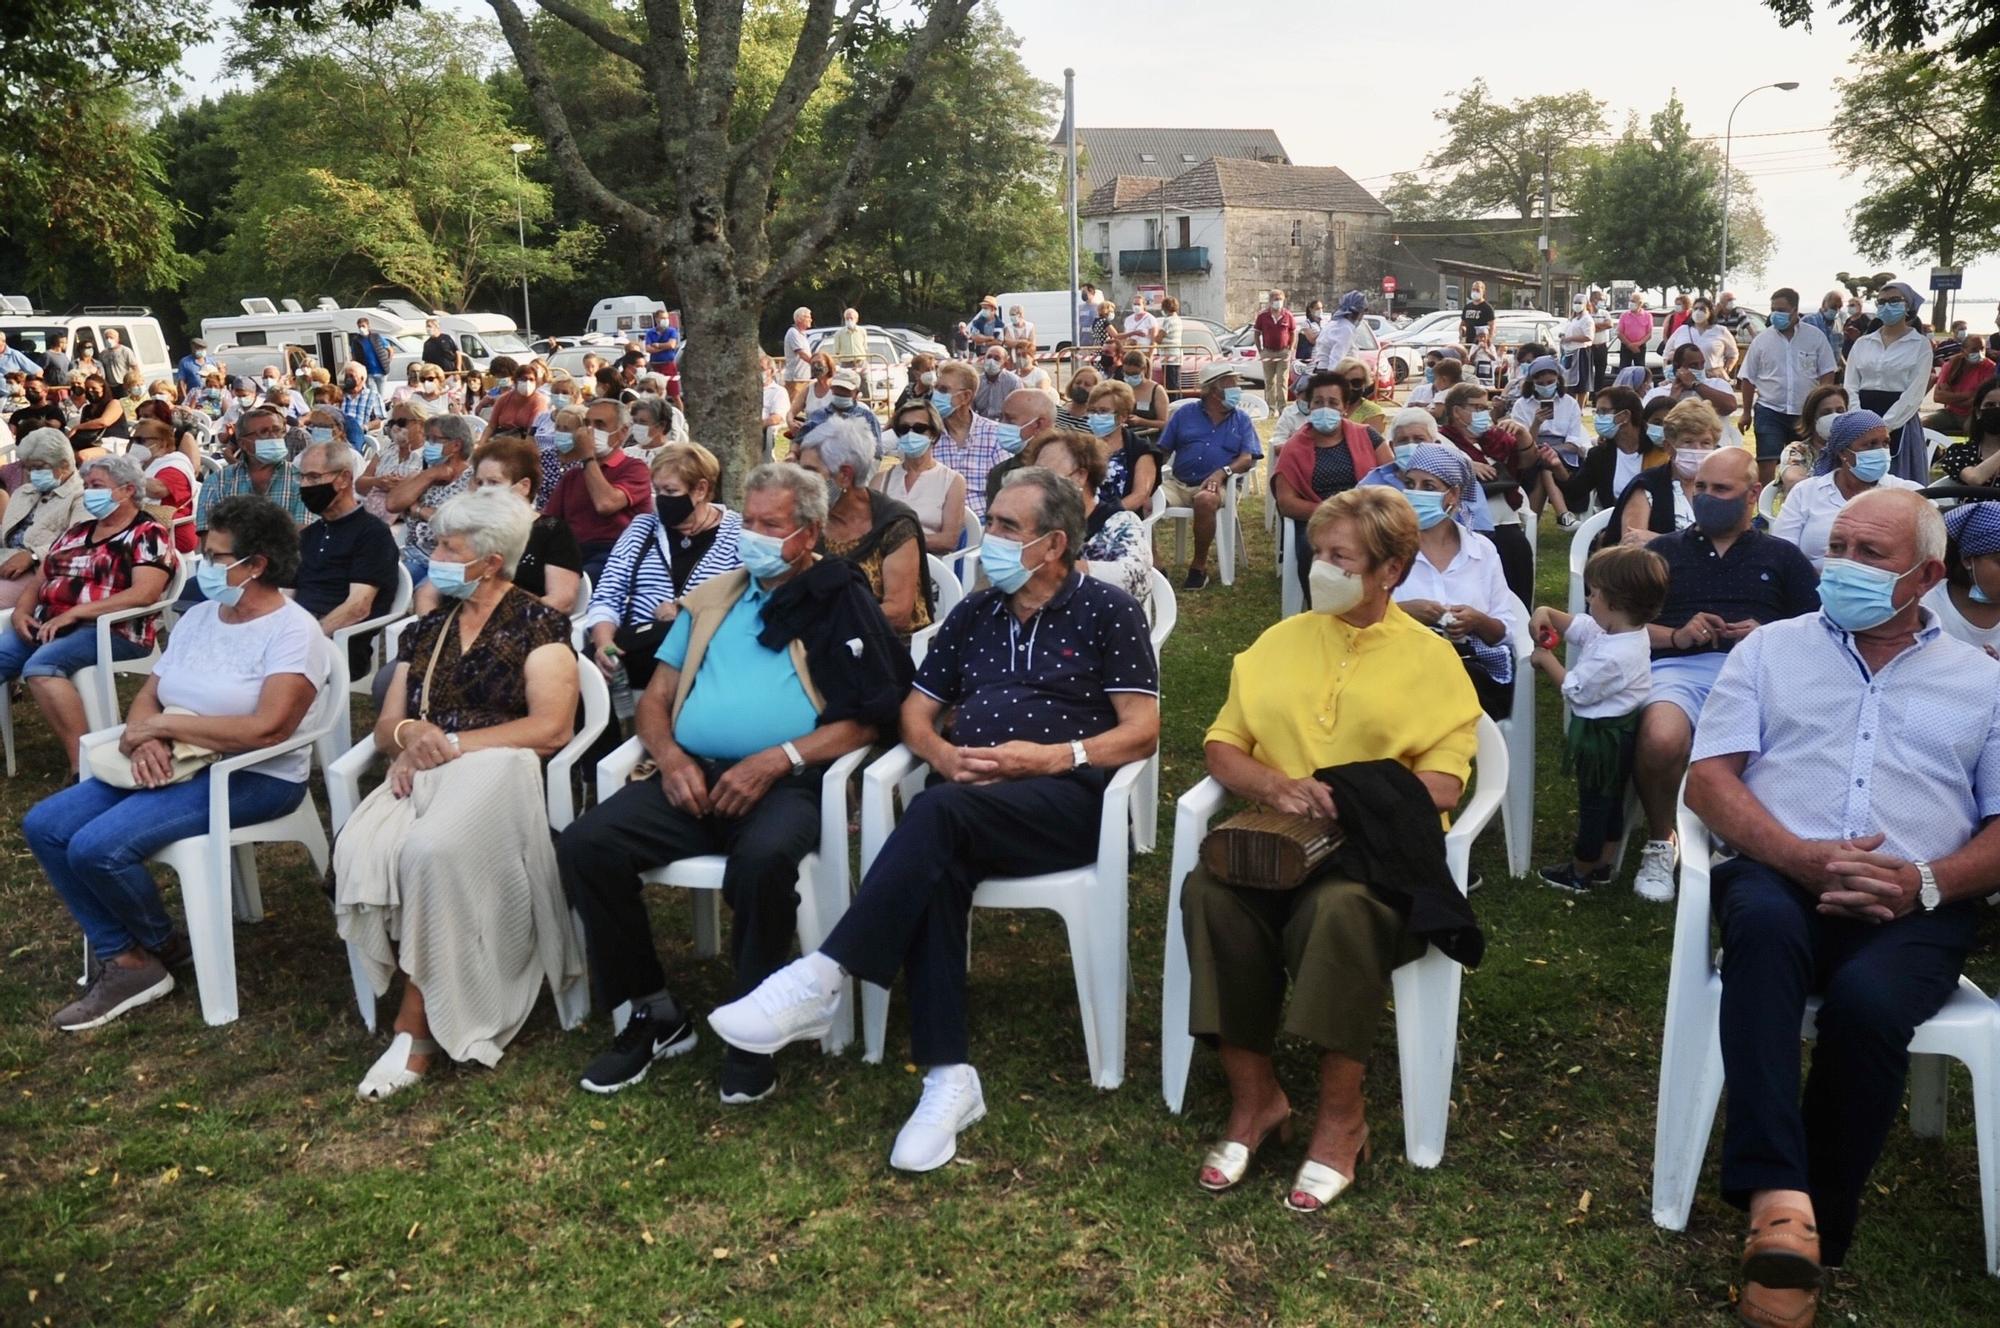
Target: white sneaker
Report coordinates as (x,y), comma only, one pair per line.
(1655,877)
(951,1102)
(789,1006)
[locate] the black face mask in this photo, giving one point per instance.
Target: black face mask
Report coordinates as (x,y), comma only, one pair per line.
(1989,419)
(673,508)
(317,497)
(1079,395)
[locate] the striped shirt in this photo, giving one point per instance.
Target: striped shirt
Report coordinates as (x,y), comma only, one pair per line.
(638,575)
(979,453)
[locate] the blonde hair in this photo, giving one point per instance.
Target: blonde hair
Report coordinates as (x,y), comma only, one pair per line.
(1114,393)
(1382,517)
(690,463)
(1693,419)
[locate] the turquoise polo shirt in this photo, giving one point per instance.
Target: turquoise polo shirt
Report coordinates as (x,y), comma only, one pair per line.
(746,697)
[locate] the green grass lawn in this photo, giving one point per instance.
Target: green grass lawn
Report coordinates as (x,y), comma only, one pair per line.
(162,1172)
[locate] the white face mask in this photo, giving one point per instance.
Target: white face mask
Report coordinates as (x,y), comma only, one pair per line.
(1334,589)
(1823,426)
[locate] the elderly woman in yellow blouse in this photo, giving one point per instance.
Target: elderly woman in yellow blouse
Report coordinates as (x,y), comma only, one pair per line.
(1327,688)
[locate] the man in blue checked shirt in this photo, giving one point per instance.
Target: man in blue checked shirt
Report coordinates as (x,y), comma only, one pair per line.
(1205,443)
(1851,757)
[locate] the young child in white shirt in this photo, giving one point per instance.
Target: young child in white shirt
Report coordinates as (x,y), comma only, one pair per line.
(1606,687)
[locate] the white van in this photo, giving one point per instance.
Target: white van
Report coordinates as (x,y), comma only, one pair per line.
(622,316)
(1049,310)
(480,337)
(29,330)
(325,328)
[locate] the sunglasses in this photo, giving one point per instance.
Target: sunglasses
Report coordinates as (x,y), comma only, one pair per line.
(923,429)
(403,421)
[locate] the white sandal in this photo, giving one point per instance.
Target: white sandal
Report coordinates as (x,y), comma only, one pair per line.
(392,1073)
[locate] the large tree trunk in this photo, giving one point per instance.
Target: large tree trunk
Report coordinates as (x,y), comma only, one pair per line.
(720,380)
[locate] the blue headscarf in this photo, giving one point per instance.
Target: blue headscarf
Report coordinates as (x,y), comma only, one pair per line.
(1545,364)
(1635,376)
(1353,302)
(1976,528)
(1447,463)
(1848,428)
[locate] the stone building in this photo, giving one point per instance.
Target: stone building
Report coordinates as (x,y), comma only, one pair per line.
(1229,231)
(1161,154)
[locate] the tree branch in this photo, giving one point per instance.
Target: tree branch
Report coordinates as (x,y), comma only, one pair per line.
(666,38)
(595,28)
(947,18)
(811,58)
(556,130)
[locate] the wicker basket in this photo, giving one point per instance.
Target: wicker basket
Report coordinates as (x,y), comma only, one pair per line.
(1269,850)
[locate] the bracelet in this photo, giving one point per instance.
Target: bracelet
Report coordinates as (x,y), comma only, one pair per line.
(396,734)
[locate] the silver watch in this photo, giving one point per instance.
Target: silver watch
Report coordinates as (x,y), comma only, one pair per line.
(1927,892)
(1077,758)
(792,754)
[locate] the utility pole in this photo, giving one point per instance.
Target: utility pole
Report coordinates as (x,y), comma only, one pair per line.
(1163,237)
(1075,278)
(1547,236)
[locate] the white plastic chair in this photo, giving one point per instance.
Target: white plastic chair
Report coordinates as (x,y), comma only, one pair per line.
(1426,990)
(1769,500)
(1156,507)
(1967,1029)
(1934,443)
(1291,599)
(581,605)
(1091,899)
(218,870)
(97,683)
(946,592)
(964,561)
(363,683)
(1517,810)
(823,887)
(1228,530)
(1163,611)
(343,794)
(1579,554)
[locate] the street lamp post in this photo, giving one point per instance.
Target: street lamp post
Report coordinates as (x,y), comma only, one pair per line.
(1728,133)
(521,231)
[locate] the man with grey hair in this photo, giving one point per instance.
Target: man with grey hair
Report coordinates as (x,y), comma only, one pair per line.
(258,462)
(347,557)
(996,382)
(1025,415)
(798,358)
(769,674)
(598,498)
(1864,829)
(1050,678)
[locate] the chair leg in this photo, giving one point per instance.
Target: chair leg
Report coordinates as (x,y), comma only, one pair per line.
(1928,1083)
(1098,957)
(1426,1038)
(205,900)
(365,999)
(312,835)
(874,1021)
(814,903)
(1690,1088)
(1176,1043)
(1146,807)
(707,923)
(7,725)
(1985,1068)
(245,888)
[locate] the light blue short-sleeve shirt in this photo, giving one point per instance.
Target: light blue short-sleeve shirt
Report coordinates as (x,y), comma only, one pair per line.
(746,697)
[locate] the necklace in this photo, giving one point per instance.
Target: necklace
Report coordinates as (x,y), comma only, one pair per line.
(687,540)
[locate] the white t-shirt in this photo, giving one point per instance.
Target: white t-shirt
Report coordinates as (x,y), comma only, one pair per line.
(776,401)
(218,668)
(1954,623)
(1612,674)
(798,356)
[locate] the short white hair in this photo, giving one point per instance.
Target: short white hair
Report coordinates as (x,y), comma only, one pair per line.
(1415,417)
(48,446)
(807,489)
(801,312)
(492,520)
(1929,525)
(843,440)
(122,469)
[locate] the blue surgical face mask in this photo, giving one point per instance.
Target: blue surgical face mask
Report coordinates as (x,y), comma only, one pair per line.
(1325,419)
(1430,375)
(43,480)
(272,451)
(1000,559)
(1007,437)
(1102,423)
(1656,434)
(841,403)
(1545,390)
(449,579)
(1482,420)
(319,433)
(1856,596)
(1404,451)
(1975,594)
(941,402)
(1872,465)
(763,555)
(99,502)
(433,453)
(912,444)
(565,442)
(1606,424)
(1231,395)
(1780,319)
(1133,380)
(213,578)
(1892,311)
(1429,506)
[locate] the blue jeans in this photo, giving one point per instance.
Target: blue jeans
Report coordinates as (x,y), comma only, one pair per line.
(60,658)
(93,841)
(418,563)
(1773,431)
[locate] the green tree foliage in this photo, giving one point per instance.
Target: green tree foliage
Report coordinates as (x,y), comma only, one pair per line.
(1649,208)
(1971,28)
(1493,152)
(1920,129)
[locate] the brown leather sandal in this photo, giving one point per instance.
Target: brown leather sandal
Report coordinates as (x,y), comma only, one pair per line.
(1777,1307)
(1782,1252)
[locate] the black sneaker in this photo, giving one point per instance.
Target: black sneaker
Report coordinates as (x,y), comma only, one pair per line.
(746,1077)
(654,1032)
(1563,877)
(1196,579)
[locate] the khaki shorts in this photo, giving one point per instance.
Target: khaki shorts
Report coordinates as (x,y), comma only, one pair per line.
(1178,494)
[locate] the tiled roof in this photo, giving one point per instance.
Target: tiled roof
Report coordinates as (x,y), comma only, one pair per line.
(1227,182)
(1165,153)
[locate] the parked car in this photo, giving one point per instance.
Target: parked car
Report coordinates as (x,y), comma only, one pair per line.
(1439,331)
(888,360)
(29,331)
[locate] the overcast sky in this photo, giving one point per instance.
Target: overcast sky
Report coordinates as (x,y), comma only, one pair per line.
(1350,88)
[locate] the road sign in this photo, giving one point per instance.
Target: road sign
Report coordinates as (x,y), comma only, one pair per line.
(1388,285)
(1947,278)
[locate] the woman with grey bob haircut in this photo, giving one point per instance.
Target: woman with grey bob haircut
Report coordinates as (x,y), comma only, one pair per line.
(50,502)
(445,873)
(867,527)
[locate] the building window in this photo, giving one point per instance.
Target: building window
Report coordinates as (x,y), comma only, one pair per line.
(1340,235)
(1103,235)
(1187,232)
(1298,234)
(1152,233)
(1147,156)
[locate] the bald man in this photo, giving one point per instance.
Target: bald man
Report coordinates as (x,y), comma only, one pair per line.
(1724,580)
(1864,829)
(1027,413)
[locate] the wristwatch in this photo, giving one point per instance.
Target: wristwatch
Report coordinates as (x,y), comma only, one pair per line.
(791,752)
(1927,893)
(1077,758)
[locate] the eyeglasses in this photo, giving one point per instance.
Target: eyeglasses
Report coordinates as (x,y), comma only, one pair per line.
(401,420)
(921,428)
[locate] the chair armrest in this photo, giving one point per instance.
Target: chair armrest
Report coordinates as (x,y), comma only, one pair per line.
(878,798)
(615,770)
(1691,953)
(342,635)
(561,797)
(833,811)
(1192,813)
(343,780)
(1477,814)
(96,739)
(1114,841)
(920,642)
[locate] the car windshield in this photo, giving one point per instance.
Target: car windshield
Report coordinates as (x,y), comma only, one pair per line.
(505,343)
(34,340)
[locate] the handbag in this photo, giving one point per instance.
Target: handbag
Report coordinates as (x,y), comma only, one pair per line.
(1269,850)
(639,643)
(110,766)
